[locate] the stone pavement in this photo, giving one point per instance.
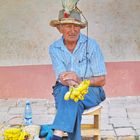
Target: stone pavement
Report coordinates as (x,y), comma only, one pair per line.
(120,118)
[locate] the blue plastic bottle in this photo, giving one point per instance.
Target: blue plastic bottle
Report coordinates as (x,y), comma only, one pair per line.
(28,114)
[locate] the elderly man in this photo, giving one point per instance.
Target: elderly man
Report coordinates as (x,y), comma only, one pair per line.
(74,57)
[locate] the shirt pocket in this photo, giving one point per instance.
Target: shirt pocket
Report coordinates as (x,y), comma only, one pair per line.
(85,66)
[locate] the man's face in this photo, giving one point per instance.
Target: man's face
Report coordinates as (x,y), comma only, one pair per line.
(70,32)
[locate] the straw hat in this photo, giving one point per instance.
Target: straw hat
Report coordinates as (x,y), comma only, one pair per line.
(64,18)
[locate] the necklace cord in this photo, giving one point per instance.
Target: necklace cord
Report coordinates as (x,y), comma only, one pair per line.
(78,10)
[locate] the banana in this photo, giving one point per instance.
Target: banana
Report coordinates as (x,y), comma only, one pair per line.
(78,93)
(76,99)
(24,135)
(15,134)
(67,96)
(81,97)
(72,96)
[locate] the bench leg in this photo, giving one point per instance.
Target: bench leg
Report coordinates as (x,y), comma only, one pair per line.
(96,138)
(97,119)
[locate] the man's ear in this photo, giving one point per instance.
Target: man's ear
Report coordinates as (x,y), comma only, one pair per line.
(59,27)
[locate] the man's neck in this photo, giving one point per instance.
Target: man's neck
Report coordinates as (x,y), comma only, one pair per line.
(70,45)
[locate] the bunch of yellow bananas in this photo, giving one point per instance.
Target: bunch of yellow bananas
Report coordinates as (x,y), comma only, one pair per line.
(15,134)
(78,93)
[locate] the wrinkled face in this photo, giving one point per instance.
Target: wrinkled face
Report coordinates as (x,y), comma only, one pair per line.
(70,32)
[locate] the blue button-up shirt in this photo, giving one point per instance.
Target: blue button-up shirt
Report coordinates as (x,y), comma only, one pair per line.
(86,59)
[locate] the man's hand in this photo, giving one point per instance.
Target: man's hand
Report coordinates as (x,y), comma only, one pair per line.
(72,83)
(69,79)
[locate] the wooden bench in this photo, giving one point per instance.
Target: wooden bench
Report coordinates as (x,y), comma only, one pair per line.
(92,129)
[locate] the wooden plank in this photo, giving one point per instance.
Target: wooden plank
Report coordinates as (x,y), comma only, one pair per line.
(87,126)
(90,132)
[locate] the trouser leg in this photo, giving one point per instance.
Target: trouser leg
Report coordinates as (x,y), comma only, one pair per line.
(93,98)
(76,134)
(66,111)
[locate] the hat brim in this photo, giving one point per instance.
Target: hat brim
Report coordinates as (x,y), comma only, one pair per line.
(55,23)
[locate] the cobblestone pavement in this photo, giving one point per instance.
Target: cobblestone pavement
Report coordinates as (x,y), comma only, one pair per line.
(120,117)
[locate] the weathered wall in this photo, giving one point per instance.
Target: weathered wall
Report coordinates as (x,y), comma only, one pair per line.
(25,33)
(37,81)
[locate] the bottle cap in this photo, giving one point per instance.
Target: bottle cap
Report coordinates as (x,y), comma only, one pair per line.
(28,102)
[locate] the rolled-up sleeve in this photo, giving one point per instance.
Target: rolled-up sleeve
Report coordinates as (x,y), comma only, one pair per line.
(97,61)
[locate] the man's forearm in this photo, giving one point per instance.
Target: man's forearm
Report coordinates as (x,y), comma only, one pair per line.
(97,81)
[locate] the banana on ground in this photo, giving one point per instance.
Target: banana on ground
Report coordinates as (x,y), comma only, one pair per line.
(15,134)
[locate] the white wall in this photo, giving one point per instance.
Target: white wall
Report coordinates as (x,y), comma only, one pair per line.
(25,33)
